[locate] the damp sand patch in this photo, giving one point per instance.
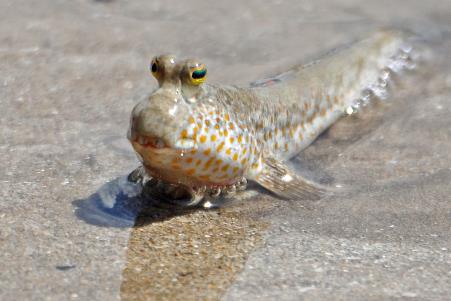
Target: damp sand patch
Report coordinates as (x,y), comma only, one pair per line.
(192,255)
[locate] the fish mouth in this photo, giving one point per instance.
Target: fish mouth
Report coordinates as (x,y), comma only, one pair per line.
(158,144)
(149,142)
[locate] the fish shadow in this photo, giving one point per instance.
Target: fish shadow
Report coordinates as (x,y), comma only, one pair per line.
(119,204)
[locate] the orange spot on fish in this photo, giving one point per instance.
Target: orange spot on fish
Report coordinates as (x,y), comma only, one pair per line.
(207,122)
(191,120)
(243,161)
(207,151)
(259,126)
(226,133)
(225,167)
(198,162)
(190,171)
(229,151)
(240,139)
(231,139)
(213,138)
(235,157)
(217,126)
(189,160)
(203,139)
(208,163)
(227,117)
(184,134)
(231,126)
(220,147)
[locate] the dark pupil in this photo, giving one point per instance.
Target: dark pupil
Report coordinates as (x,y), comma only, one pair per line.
(154,67)
(199,73)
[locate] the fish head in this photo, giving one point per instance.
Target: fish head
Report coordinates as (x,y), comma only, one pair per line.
(183,135)
(155,121)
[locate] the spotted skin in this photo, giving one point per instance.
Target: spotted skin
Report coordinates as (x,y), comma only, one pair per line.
(225,148)
(195,134)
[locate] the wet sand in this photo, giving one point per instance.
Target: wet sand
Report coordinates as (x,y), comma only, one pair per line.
(194,256)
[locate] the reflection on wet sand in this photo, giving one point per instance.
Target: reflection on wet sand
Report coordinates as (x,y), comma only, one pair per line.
(188,257)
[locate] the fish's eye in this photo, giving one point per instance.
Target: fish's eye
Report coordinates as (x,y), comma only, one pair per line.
(198,74)
(154,68)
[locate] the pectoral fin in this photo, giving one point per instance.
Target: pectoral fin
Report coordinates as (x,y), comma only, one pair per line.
(139,176)
(279,179)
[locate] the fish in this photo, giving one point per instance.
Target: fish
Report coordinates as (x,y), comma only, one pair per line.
(209,138)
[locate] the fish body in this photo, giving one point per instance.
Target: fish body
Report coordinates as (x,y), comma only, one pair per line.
(198,135)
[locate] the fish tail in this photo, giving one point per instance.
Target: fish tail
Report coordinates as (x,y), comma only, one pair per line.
(396,57)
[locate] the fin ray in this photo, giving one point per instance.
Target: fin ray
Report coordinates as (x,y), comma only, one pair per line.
(279,179)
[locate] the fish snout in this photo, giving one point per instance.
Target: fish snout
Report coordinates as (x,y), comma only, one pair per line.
(156,121)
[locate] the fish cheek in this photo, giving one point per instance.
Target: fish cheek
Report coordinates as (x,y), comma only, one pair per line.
(219,156)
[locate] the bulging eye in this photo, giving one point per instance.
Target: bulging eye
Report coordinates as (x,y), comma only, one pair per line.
(198,74)
(154,68)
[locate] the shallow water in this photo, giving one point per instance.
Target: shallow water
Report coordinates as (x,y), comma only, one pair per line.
(71,228)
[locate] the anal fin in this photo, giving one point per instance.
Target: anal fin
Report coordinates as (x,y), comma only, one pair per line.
(282,181)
